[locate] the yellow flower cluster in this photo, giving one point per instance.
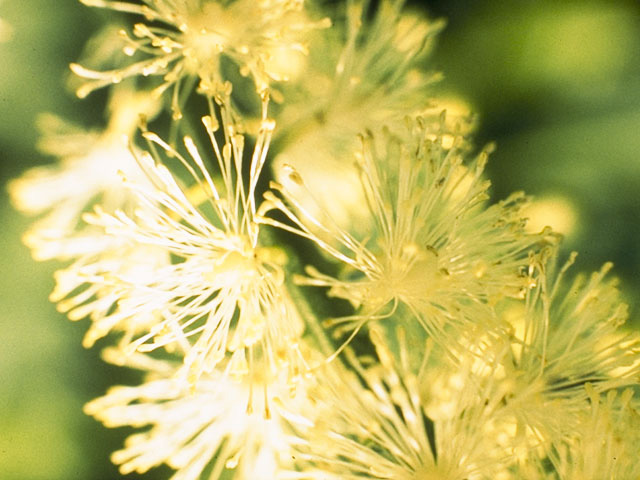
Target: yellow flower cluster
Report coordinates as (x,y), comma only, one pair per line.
(307,266)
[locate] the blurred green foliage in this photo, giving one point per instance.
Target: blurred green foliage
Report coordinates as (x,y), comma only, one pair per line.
(555,84)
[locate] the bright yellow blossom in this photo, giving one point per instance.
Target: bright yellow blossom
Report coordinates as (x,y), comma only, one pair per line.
(187,40)
(224,292)
(435,248)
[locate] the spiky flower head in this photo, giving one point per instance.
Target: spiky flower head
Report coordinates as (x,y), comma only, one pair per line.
(567,334)
(605,444)
(220,427)
(435,247)
(376,426)
(224,291)
(89,287)
(364,72)
(186,40)
(86,173)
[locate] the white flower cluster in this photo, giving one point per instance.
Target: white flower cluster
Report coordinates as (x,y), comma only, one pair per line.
(306,265)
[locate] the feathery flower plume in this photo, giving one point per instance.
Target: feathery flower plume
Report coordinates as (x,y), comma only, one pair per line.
(202,431)
(89,287)
(376,427)
(186,40)
(87,173)
(566,336)
(364,72)
(605,444)
(224,291)
(435,246)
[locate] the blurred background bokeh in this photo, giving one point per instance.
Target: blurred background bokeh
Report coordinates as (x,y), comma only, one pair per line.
(556,84)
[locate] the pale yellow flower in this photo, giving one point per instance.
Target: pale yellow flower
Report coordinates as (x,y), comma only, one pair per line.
(364,72)
(224,292)
(90,287)
(435,247)
(567,335)
(219,427)
(374,426)
(86,173)
(606,441)
(186,40)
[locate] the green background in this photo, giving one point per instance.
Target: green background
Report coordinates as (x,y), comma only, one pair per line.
(555,83)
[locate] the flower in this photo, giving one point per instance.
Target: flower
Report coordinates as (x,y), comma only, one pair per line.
(224,291)
(605,444)
(364,72)
(565,336)
(375,426)
(204,430)
(435,247)
(86,173)
(90,287)
(188,38)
